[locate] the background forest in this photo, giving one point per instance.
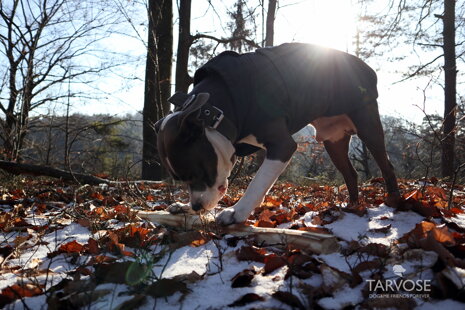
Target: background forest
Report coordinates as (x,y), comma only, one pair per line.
(63,59)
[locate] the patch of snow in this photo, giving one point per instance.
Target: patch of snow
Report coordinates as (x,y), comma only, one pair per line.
(69,233)
(459,219)
(308,217)
(353,227)
(215,289)
(342,298)
(335,260)
(36,302)
(443,304)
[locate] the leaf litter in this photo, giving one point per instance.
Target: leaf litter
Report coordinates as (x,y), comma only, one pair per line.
(85,247)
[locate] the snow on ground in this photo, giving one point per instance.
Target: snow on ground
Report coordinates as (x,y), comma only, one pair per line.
(217,264)
(354,227)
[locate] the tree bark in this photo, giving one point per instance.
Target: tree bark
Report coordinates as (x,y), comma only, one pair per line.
(183,80)
(157,83)
(450,84)
(270,17)
(16,168)
(165,54)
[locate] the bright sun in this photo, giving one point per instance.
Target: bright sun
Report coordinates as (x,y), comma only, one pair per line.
(325,22)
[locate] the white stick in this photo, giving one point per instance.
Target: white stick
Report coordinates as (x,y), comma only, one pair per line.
(304,240)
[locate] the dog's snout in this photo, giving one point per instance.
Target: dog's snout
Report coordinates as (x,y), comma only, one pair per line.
(197,206)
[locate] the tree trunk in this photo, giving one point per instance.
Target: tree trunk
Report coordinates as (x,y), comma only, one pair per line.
(165,54)
(270,16)
(183,80)
(151,169)
(450,84)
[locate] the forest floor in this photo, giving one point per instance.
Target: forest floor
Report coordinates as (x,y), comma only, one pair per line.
(64,246)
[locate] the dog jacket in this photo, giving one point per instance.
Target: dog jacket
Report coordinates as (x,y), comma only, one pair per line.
(300,82)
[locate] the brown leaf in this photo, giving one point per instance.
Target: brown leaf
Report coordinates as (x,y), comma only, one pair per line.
(97,196)
(84,222)
(273,262)
(92,247)
(198,242)
(263,223)
(288,299)
(243,278)
(436,192)
(249,253)
(71,247)
(17,291)
(100,259)
(246,299)
(423,229)
(272,201)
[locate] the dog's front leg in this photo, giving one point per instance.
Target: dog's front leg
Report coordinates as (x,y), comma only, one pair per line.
(266,175)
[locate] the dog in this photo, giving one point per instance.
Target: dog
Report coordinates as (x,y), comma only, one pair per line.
(241,103)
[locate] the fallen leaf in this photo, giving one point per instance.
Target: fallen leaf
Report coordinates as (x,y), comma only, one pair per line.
(249,253)
(423,229)
(92,247)
(288,299)
(243,278)
(263,223)
(17,291)
(273,262)
(71,247)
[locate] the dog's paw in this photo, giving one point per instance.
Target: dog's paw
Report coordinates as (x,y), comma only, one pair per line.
(230,216)
(226,217)
(177,208)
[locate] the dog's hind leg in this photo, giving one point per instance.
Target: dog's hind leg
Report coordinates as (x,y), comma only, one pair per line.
(338,151)
(370,131)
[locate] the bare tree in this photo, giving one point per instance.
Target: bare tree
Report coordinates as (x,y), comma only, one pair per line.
(157,81)
(44,44)
(425,35)
(270,17)
(239,38)
(185,40)
(450,89)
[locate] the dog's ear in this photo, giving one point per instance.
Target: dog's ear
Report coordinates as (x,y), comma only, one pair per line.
(190,125)
(190,115)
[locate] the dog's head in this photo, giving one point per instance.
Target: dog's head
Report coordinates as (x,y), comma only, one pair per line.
(195,154)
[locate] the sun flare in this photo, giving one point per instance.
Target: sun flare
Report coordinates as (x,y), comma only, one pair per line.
(328,23)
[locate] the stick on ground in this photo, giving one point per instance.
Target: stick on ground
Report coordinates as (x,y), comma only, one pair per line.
(307,241)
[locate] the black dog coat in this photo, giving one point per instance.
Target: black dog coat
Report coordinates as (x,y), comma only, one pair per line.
(299,81)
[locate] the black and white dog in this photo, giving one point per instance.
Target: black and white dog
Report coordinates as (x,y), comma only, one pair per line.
(242,103)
